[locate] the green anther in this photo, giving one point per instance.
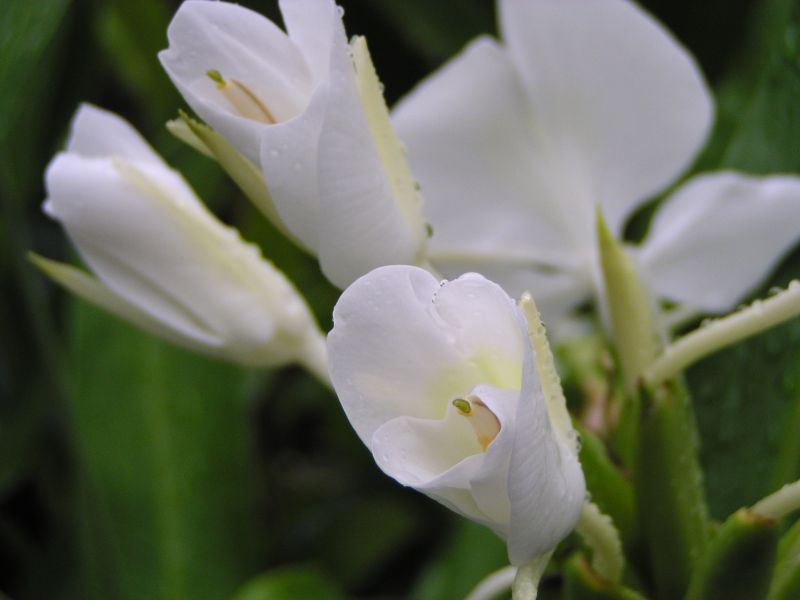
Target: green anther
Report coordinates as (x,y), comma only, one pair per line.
(462,406)
(215,76)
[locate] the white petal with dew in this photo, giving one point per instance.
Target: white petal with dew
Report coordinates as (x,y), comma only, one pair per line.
(362,226)
(401,346)
(718,236)
(242,46)
(546,487)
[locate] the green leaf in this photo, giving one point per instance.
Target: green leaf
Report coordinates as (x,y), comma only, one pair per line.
(581,583)
(669,489)
(166,482)
(745,397)
(472,553)
(290,583)
(786,580)
(365,535)
(738,562)
(130,35)
(609,489)
(27,30)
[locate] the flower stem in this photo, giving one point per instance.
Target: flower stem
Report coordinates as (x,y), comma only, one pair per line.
(779,504)
(758,317)
(602,537)
(526,581)
(494,584)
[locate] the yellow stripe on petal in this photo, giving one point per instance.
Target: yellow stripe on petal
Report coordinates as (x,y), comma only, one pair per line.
(401,180)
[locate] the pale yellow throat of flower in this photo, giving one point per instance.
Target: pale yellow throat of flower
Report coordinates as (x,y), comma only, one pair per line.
(403,185)
(483,421)
(244,100)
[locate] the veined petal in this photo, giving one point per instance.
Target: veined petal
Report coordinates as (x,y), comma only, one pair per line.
(404,345)
(546,487)
(361,223)
(422,371)
(718,236)
(95,132)
(289,150)
(470,138)
(619,107)
(244,47)
(289,154)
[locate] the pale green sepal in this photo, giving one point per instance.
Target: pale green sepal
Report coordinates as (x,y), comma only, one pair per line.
(243,172)
(526,581)
(494,585)
(179,129)
(720,333)
(94,291)
(405,190)
(602,537)
(548,375)
(779,504)
(633,322)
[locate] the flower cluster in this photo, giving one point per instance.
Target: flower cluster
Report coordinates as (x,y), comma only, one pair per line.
(585,108)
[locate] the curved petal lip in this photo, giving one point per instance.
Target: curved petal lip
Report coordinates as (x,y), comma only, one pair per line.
(619,102)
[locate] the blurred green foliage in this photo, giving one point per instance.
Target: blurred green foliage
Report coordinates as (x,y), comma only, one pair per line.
(129,469)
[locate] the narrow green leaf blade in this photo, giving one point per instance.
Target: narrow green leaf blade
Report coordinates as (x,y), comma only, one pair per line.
(669,489)
(166,481)
(738,562)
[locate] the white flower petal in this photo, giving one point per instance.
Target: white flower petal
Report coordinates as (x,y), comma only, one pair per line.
(289,163)
(470,138)
(99,133)
(308,23)
(619,107)
(417,451)
(719,235)
(557,293)
(546,487)
(443,458)
(243,46)
(401,345)
(403,348)
(361,226)
(144,233)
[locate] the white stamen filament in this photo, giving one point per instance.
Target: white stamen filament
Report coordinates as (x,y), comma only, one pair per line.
(484,422)
(242,98)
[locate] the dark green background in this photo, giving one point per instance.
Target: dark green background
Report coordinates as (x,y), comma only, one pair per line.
(133,470)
